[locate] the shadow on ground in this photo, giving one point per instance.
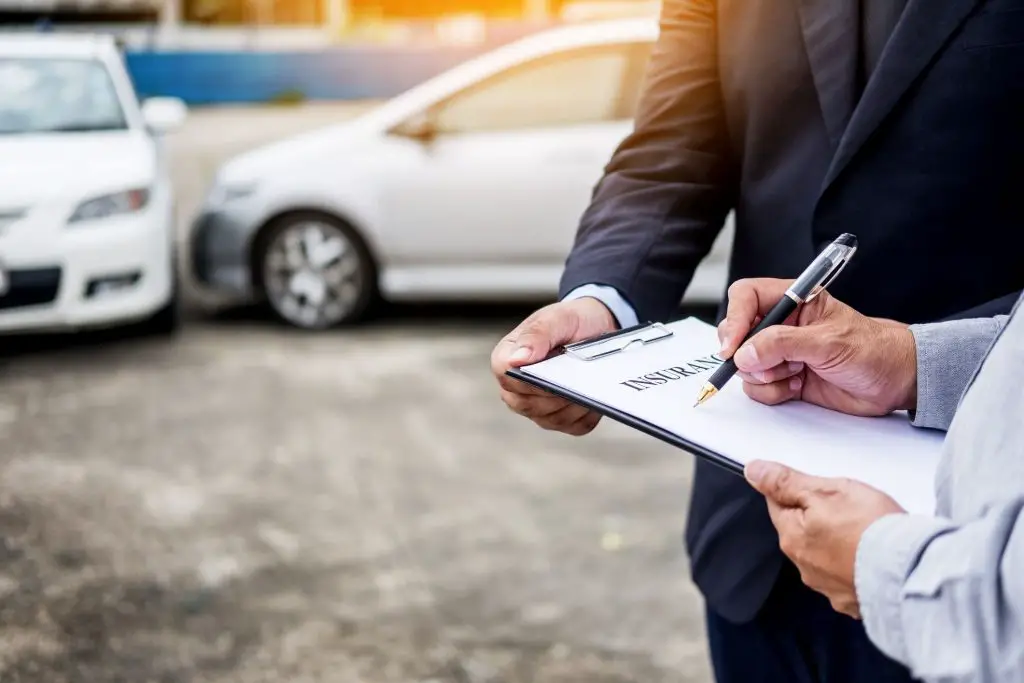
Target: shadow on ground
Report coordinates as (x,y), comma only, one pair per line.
(427,316)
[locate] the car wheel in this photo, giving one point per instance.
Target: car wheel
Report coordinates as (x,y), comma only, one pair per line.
(315,272)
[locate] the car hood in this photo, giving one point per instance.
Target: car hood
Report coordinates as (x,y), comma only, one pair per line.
(73,165)
(298,151)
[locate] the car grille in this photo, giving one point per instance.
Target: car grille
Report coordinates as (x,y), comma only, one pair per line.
(30,287)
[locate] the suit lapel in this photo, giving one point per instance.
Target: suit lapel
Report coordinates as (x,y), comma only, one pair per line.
(925,27)
(831,38)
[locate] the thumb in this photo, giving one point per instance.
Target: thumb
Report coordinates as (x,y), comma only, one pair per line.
(782,344)
(542,333)
(785,486)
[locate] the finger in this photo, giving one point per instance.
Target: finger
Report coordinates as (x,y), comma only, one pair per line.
(780,484)
(501,356)
(584,425)
(787,523)
(781,344)
(533,407)
(509,352)
(749,299)
(516,386)
(848,607)
(564,418)
(776,374)
(775,393)
(539,334)
(500,365)
(776,512)
(532,340)
(725,336)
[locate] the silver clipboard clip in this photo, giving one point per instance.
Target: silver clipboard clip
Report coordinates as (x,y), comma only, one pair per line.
(618,342)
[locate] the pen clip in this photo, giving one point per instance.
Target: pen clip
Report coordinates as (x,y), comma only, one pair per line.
(832,275)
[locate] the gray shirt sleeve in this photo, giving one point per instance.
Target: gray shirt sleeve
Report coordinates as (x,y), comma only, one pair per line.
(946,600)
(948,355)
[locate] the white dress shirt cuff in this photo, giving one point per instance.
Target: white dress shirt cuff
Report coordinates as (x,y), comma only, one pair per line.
(610,297)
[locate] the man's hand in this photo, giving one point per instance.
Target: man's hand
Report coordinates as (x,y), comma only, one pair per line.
(826,353)
(820,524)
(532,341)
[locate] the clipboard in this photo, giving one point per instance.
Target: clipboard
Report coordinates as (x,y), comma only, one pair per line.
(645,377)
(624,341)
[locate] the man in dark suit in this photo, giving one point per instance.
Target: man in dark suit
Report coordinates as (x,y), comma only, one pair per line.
(902,123)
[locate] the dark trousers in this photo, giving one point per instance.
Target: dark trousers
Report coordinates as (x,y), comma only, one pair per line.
(797,638)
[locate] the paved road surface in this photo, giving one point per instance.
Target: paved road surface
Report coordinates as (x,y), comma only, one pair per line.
(252,504)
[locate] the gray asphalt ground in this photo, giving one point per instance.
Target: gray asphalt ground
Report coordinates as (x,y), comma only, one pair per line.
(247,503)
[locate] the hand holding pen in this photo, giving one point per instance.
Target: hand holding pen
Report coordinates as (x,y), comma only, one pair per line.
(828,355)
(814,280)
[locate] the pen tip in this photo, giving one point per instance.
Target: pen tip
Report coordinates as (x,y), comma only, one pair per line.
(707,392)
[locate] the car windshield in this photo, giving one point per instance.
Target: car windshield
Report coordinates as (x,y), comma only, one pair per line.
(57,96)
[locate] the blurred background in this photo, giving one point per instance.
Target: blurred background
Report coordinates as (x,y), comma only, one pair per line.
(254,256)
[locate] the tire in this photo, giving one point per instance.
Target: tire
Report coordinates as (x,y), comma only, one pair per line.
(315,272)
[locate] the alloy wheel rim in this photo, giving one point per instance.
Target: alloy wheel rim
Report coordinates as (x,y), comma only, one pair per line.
(313,274)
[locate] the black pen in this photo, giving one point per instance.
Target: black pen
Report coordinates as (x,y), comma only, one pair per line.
(819,275)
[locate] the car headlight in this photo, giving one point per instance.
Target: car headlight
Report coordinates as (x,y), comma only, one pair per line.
(223,192)
(113,204)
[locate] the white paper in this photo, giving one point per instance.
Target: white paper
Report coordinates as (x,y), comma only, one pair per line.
(887,453)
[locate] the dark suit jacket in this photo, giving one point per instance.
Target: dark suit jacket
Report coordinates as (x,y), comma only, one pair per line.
(753,105)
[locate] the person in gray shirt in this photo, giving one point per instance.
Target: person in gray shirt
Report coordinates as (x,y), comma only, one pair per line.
(942,594)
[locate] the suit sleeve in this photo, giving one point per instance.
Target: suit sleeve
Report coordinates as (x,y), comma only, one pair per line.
(990,309)
(669,186)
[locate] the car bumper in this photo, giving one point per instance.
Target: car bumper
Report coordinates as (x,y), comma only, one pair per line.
(115,271)
(220,254)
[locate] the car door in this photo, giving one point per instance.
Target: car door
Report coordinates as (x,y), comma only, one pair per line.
(510,163)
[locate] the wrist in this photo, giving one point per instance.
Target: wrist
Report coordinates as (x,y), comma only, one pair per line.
(898,362)
(906,367)
(596,312)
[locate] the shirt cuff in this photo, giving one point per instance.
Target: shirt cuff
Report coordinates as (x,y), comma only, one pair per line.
(887,553)
(613,301)
(948,355)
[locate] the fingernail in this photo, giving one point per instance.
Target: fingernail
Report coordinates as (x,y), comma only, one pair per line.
(746,356)
(796,383)
(521,355)
(796,367)
(755,471)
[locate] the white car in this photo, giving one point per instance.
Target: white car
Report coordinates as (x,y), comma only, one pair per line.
(469,186)
(86,206)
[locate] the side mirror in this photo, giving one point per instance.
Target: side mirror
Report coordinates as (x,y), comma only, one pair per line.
(421,128)
(164,114)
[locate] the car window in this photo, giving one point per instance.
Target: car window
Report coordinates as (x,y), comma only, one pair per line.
(44,95)
(581,86)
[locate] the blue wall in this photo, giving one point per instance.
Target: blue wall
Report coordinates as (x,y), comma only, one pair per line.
(242,77)
(341,73)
